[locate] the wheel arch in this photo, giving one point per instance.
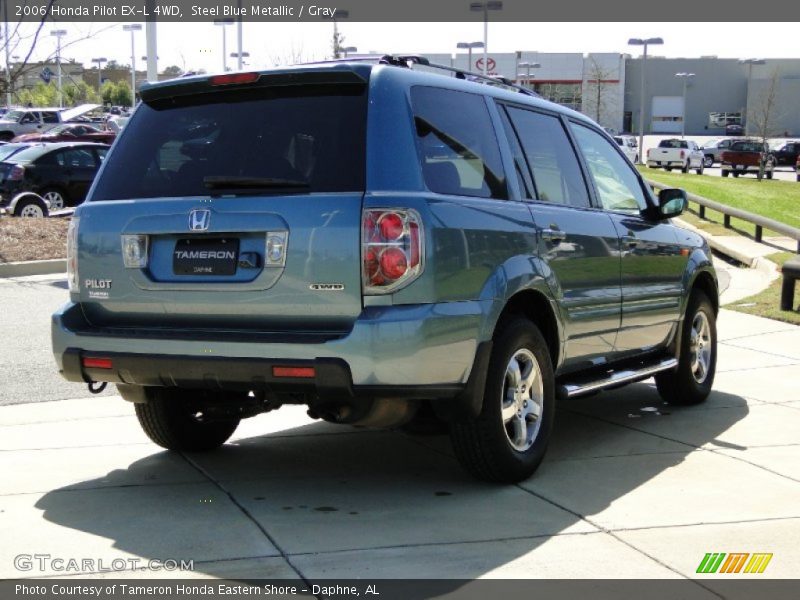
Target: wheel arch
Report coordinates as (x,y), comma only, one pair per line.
(536,306)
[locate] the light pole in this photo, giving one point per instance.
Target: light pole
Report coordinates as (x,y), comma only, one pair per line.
(749,62)
(485,7)
(339,14)
(99,62)
(643,42)
(686,77)
(224,23)
(133,28)
(528,66)
(58,34)
(348,49)
(469,46)
(7,45)
(240,56)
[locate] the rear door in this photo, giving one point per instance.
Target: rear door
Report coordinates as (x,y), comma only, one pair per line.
(80,166)
(579,244)
(248,200)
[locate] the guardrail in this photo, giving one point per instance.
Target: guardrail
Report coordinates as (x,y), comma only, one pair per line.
(760,222)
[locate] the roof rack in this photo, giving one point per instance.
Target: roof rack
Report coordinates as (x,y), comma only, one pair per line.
(406,60)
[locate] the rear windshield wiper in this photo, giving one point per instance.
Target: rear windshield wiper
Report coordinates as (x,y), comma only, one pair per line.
(215,182)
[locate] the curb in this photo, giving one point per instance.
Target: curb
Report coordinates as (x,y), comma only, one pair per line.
(33,267)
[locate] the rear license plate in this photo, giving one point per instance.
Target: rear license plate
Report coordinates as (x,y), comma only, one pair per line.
(205,256)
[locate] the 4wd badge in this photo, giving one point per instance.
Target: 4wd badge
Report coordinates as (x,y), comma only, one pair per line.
(327,287)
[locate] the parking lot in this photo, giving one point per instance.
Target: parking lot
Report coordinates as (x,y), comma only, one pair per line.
(630,488)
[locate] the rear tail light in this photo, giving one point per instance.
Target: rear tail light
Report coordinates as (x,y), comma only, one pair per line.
(134,251)
(16,173)
(301,372)
(649,150)
(391,249)
(72,255)
(683,154)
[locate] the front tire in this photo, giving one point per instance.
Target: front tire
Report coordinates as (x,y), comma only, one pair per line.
(691,382)
(507,441)
(173,421)
(708,160)
(56,198)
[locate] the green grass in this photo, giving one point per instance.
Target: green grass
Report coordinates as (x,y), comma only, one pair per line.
(778,200)
(768,302)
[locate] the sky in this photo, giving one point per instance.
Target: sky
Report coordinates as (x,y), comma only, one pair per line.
(193,46)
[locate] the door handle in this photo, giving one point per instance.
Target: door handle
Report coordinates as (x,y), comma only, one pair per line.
(553,234)
(631,241)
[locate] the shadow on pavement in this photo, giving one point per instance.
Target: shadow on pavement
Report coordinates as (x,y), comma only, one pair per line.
(384,504)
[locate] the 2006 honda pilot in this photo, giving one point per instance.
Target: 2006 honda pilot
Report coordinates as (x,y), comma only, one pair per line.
(370,238)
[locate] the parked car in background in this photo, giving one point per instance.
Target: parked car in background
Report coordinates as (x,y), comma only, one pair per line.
(712,150)
(676,154)
(390,239)
(629,145)
(787,153)
(734,129)
(61,173)
(7,150)
(38,120)
(70,132)
(745,156)
(797,168)
(116,123)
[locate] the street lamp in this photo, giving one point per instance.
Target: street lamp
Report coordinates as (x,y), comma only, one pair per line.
(749,62)
(99,62)
(528,66)
(339,14)
(485,7)
(224,23)
(133,28)
(469,46)
(58,34)
(643,42)
(348,49)
(240,56)
(7,46)
(686,77)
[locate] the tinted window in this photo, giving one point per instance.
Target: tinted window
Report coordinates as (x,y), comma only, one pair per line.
(747,147)
(79,158)
(521,170)
(616,183)
(457,144)
(29,118)
(50,117)
(310,134)
(556,174)
(672,144)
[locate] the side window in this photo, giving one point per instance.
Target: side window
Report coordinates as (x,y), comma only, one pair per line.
(556,173)
(457,144)
(101,155)
(52,159)
(79,157)
(50,117)
(520,164)
(617,186)
(27,118)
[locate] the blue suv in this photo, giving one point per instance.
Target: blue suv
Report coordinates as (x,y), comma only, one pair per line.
(378,241)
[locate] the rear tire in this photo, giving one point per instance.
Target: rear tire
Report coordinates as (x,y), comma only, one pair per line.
(691,382)
(170,419)
(725,173)
(507,441)
(685,168)
(700,170)
(31,207)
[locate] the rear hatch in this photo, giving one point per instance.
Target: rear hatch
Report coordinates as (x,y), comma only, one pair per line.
(237,202)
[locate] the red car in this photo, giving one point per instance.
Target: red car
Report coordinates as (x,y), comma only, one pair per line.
(70,132)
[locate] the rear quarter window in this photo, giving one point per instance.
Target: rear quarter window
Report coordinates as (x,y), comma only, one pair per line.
(457,145)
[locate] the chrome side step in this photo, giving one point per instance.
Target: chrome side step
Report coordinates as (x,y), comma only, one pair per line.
(571,390)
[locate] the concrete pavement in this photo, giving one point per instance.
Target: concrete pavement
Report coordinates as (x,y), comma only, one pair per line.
(631,488)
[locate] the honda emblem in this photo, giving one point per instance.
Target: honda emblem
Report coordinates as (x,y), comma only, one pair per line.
(199,219)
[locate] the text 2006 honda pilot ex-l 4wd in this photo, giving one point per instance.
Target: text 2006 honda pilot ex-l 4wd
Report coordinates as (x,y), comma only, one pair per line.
(370,238)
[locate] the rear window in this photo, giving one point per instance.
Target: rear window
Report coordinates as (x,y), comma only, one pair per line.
(309,134)
(747,147)
(673,144)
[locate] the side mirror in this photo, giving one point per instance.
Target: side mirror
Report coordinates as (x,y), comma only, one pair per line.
(671,203)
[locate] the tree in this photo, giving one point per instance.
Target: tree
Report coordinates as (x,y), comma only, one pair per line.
(762,115)
(596,90)
(173,71)
(122,94)
(22,41)
(113,64)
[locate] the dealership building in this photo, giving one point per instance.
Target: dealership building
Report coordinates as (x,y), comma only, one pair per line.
(607,87)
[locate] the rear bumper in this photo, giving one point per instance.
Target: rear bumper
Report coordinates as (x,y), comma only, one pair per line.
(411,351)
(665,163)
